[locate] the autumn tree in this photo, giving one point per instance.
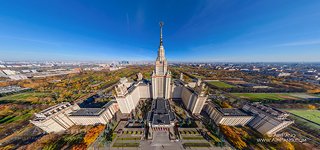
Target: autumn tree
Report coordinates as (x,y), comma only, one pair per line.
(225,104)
(43,141)
(92,134)
(80,146)
(233,137)
(285,146)
(312,107)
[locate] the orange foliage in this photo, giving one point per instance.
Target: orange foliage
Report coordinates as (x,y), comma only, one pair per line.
(92,134)
(233,137)
(80,146)
(312,107)
(6,109)
(285,146)
(315,91)
(225,105)
(4,84)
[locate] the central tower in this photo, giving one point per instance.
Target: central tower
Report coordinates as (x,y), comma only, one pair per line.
(161,77)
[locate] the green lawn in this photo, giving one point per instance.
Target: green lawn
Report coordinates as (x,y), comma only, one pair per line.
(129,138)
(126,145)
(312,115)
(196,145)
(25,97)
(265,96)
(192,137)
(13,118)
(220,84)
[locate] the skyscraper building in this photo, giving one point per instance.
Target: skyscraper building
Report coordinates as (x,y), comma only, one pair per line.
(161,76)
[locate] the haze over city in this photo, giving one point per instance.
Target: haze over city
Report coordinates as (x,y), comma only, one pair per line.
(211,31)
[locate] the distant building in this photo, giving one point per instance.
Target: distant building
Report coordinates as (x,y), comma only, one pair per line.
(124,62)
(2,74)
(12,89)
(227,116)
(266,119)
(18,77)
(9,72)
(282,74)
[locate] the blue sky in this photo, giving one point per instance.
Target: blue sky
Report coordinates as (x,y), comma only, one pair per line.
(194,30)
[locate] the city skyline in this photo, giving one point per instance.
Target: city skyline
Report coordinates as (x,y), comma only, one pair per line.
(206,31)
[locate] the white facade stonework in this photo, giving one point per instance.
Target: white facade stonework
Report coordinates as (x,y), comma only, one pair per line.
(55,118)
(262,118)
(91,116)
(227,116)
(161,76)
(266,119)
(129,94)
(193,98)
(64,115)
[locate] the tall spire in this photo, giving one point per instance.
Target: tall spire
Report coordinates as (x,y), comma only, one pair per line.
(161,25)
(161,56)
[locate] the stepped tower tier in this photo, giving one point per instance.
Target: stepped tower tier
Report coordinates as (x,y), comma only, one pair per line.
(161,77)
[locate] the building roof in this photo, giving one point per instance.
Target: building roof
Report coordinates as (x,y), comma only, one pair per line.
(88,112)
(257,108)
(161,119)
(232,112)
(228,111)
(160,112)
(109,103)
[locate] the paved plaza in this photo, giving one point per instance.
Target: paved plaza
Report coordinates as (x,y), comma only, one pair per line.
(161,141)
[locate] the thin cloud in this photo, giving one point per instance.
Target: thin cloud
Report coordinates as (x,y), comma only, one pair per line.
(301,43)
(127,17)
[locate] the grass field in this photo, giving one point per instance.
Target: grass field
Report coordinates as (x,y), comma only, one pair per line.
(130,138)
(192,137)
(196,145)
(132,144)
(220,84)
(25,97)
(10,118)
(312,115)
(265,96)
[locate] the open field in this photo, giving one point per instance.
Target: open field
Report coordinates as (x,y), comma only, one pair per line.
(192,138)
(13,118)
(265,96)
(304,95)
(312,115)
(196,145)
(220,84)
(33,97)
(131,144)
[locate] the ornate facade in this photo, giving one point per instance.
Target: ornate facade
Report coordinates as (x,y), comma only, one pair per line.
(62,116)
(161,76)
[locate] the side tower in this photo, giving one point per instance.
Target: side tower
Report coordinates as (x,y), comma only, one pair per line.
(161,77)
